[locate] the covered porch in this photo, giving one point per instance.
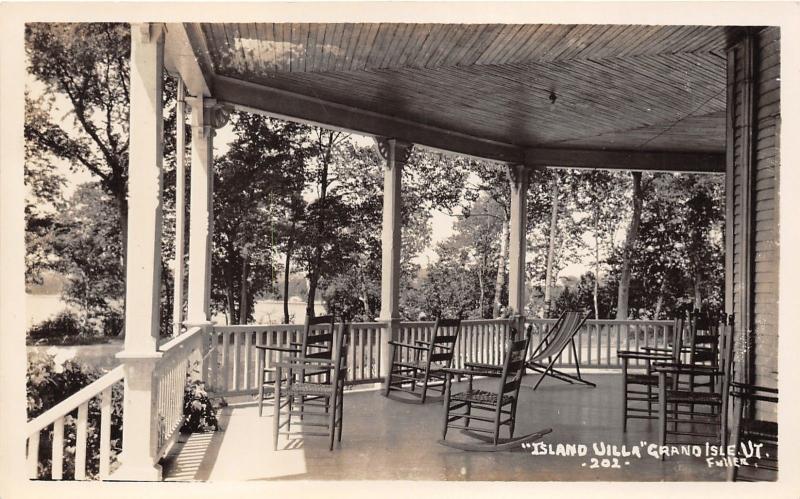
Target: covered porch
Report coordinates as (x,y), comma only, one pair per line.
(643,98)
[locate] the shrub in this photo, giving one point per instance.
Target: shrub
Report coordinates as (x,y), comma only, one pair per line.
(198,410)
(65,324)
(48,384)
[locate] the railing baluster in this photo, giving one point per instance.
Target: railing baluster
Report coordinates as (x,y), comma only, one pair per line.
(105,433)
(599,345)
(237,339)
(225,363)
(58,449)
(33,455)
(246,354)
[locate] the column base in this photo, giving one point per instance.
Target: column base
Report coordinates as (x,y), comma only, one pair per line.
(388,335)
(137,472)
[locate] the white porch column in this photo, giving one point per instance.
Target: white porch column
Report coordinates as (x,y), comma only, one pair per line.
(201,215)
(518,180)
(143,273)
(180,209)
(395,153)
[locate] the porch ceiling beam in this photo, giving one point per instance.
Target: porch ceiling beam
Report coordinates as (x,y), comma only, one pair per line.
(688,162)
(186,54)
(289,105)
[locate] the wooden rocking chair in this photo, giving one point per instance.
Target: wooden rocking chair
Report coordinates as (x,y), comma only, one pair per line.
(643,387)
(561,334)
(679,406)
(316,343)
(497,407)
(415,366)
(317,400)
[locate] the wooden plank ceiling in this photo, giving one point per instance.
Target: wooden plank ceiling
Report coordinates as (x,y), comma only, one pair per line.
(618,87)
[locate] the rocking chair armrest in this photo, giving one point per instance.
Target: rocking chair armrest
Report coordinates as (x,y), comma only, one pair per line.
(656,349)
(631,354)
(422,342)
(681,368)
(471,372)
(407,345)
(304,362)
(481,366)
(277,349)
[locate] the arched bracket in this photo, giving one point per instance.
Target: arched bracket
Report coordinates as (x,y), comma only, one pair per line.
(402,150)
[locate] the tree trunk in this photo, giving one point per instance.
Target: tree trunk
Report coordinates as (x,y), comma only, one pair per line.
(312,293)
(596,288)
(548,275)
(660,300)
(698,292)
(630,240)
(286,272)
(244,312)
(482,291)
(231,304)
(365,300)
(122,206)
(314,275)
(500,281)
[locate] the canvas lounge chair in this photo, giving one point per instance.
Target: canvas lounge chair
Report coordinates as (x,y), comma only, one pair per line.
(560,335)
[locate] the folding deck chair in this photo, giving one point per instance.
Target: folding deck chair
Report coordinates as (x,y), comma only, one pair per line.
(555,341)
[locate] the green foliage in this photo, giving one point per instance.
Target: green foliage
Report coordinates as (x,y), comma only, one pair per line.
(63,328)
(47,385)
(89,248)
(678,257)
(258,184)
(198,410)
(88,63)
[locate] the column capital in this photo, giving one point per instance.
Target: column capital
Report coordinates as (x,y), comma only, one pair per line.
(215,114)
(150,32)
(517,173)
(402,149)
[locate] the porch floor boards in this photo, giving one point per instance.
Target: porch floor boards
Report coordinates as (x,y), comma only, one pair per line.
(389,440)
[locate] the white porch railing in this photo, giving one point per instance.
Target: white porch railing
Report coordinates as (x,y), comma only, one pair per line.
(170,377)
(235,363)
(56,417)
(169,380)
(224,357)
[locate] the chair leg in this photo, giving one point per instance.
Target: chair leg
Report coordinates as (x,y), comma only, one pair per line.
(276,419)
(446,407)
(624,396)
(513,419)
(260,398)
(332,420)
(340,405)
(468,413)
(496,426)
(662,414)
(425,387)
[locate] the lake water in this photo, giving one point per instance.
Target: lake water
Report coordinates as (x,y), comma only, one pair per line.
(42,307)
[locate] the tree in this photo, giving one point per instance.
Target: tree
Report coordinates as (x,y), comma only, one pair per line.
(255,183)
(602,195)
(44,197)
(623,291)
(88,65)
(88,244)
